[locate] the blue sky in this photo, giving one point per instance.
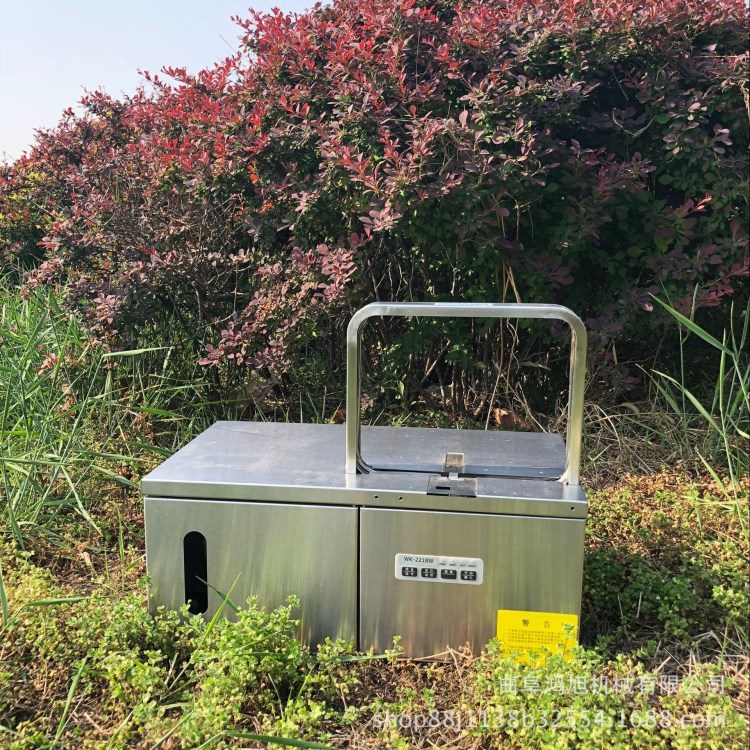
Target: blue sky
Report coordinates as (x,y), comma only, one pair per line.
(51,50)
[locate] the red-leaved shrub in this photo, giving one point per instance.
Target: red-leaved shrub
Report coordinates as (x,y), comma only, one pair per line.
(588,152)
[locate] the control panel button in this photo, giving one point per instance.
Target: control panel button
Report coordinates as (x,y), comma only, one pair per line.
(468,575)
(429,572)
(409,572)
(449,575)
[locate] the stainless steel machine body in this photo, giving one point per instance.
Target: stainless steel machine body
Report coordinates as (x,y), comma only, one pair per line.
(380,531)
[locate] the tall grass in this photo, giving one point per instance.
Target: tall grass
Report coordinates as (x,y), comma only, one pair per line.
(75,420)
(722,414)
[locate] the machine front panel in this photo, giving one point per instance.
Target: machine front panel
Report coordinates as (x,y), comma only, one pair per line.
(439,579)
(269,550)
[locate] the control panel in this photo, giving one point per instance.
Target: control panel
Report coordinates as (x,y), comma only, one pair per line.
(439,569)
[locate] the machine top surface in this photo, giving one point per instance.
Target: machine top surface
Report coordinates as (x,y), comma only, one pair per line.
(283,462)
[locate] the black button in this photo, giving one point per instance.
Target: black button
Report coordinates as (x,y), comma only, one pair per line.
(429,572)
(449,574)
(410,572)
(468,575)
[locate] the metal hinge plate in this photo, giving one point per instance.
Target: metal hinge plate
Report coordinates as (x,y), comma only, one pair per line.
(461,486)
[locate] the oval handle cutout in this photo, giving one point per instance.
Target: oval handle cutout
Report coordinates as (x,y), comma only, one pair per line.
(196,572)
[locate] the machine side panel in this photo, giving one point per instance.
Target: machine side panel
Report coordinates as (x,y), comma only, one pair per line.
(530,564)
(270,550)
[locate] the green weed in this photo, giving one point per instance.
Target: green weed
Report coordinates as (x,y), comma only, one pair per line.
(76,421)
(725,414)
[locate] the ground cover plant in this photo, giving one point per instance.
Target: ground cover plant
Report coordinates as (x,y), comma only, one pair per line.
(664,662)
(192,252)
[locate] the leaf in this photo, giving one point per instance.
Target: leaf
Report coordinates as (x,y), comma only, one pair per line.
(693,327)
(693,400)
(68,702)
(60,600)
(134,352)
(3,599)
(271,740)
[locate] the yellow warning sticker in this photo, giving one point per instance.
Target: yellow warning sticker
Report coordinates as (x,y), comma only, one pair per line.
(522,631)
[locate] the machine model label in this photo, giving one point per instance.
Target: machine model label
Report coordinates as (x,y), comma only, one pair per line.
(522,632)
(438,569)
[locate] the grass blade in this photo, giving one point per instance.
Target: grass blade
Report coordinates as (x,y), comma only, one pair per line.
(69,700)
(693,400)
(3,598)
(693,327)
(271,740)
